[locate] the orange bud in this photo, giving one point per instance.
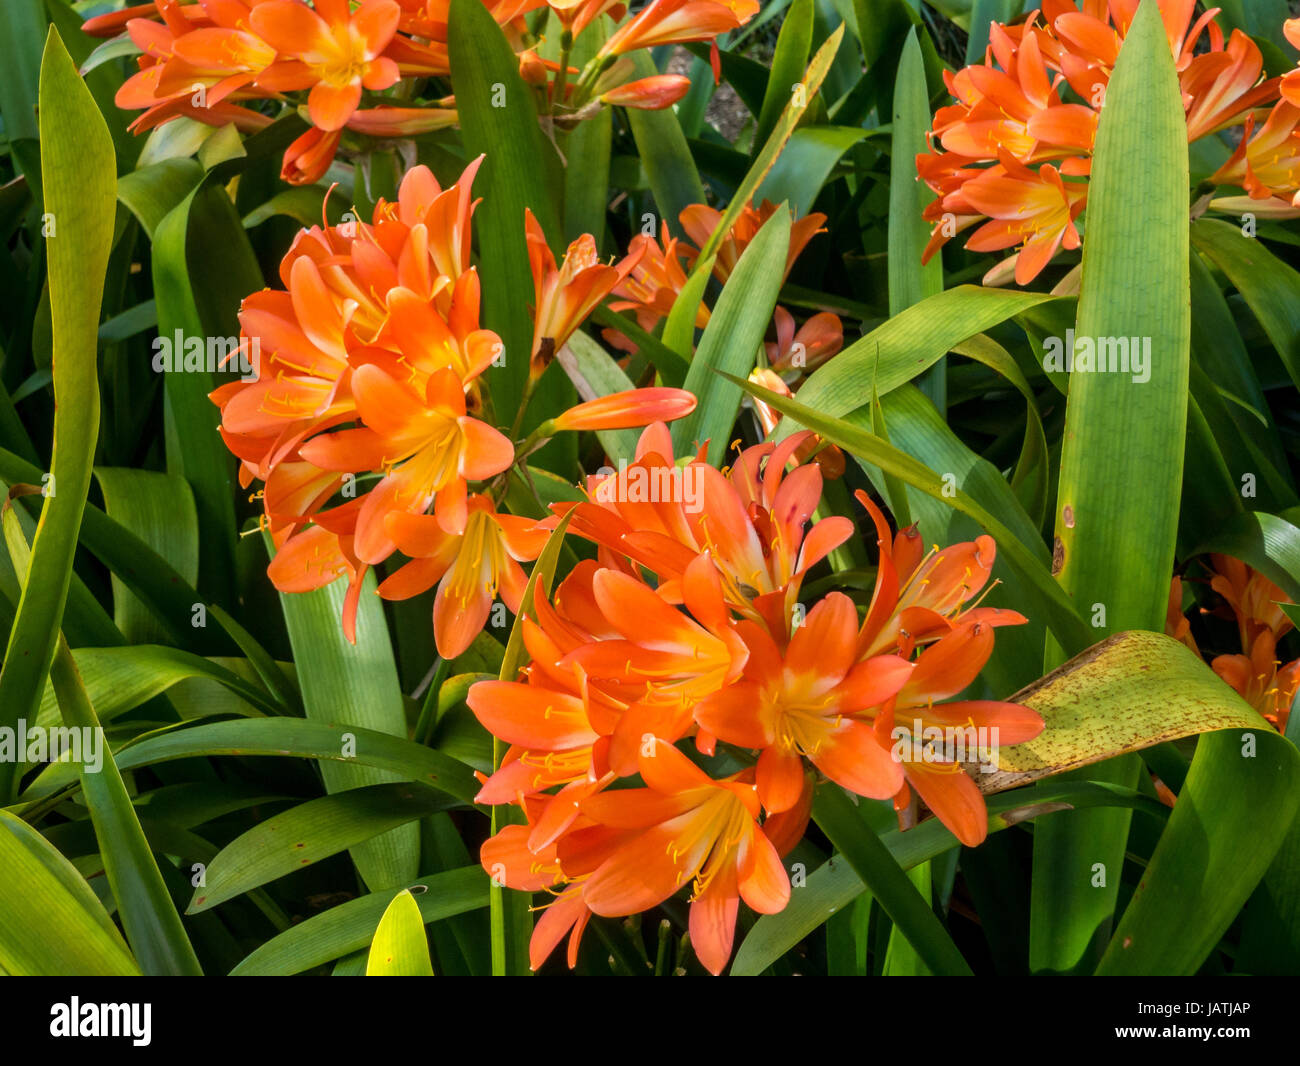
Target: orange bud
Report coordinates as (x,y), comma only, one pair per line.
(625,410)
(401,121)
(531,68)
(649,94)
(307,159)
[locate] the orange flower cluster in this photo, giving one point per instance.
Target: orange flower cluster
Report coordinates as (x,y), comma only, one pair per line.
(660,272)
(717,649)
(1014,151)
(1251,600)
(363,413)
(205,60)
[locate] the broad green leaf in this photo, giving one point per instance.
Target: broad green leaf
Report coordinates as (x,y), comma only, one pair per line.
(400,948)
(51,922)
(350,926)
(310,832)
(292,738)
(908,344)
(1237,805)
(203,266)
(499,119)
(837,817)
(153,927)
(802,168)
(1269,286)
(152,192)
(731,341)
(586,152)
(120,679)
(835,885)
(664,155)
(353,685)
(77,169)
(159,508)
(793,46)
(909,281)
(1121,461)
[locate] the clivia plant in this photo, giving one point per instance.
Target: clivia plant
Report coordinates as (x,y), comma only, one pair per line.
(670,487)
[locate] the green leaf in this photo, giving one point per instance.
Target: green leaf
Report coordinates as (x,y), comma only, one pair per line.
(732,338)
(400,948)
(54,925)
(837,817)
(1121,460)
(120,679)
(909,281)
(203,266)
(801,170)
(1212,855)
(77,171)
(908,344)
(353,685)
(793,46)
(310,832)
(159,508)
(664,154)
(288,737)
(835,885)
(1269,286)
(587,153)
(350,926)
(594,373)
(149,916)
(520,171)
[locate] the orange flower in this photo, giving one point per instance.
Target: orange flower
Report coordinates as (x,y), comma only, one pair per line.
(690,827)
(1290,86)
(576,15)
(819,338)
(805,703)
(1008,115)
(369,365)
(699,221)
(567,294)
(651,287)
(331,50)
(911,722)
(677,22)
(438,446)
(1259,681)
(469,567)
(1035,211)
(1267,163)
(716,648)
